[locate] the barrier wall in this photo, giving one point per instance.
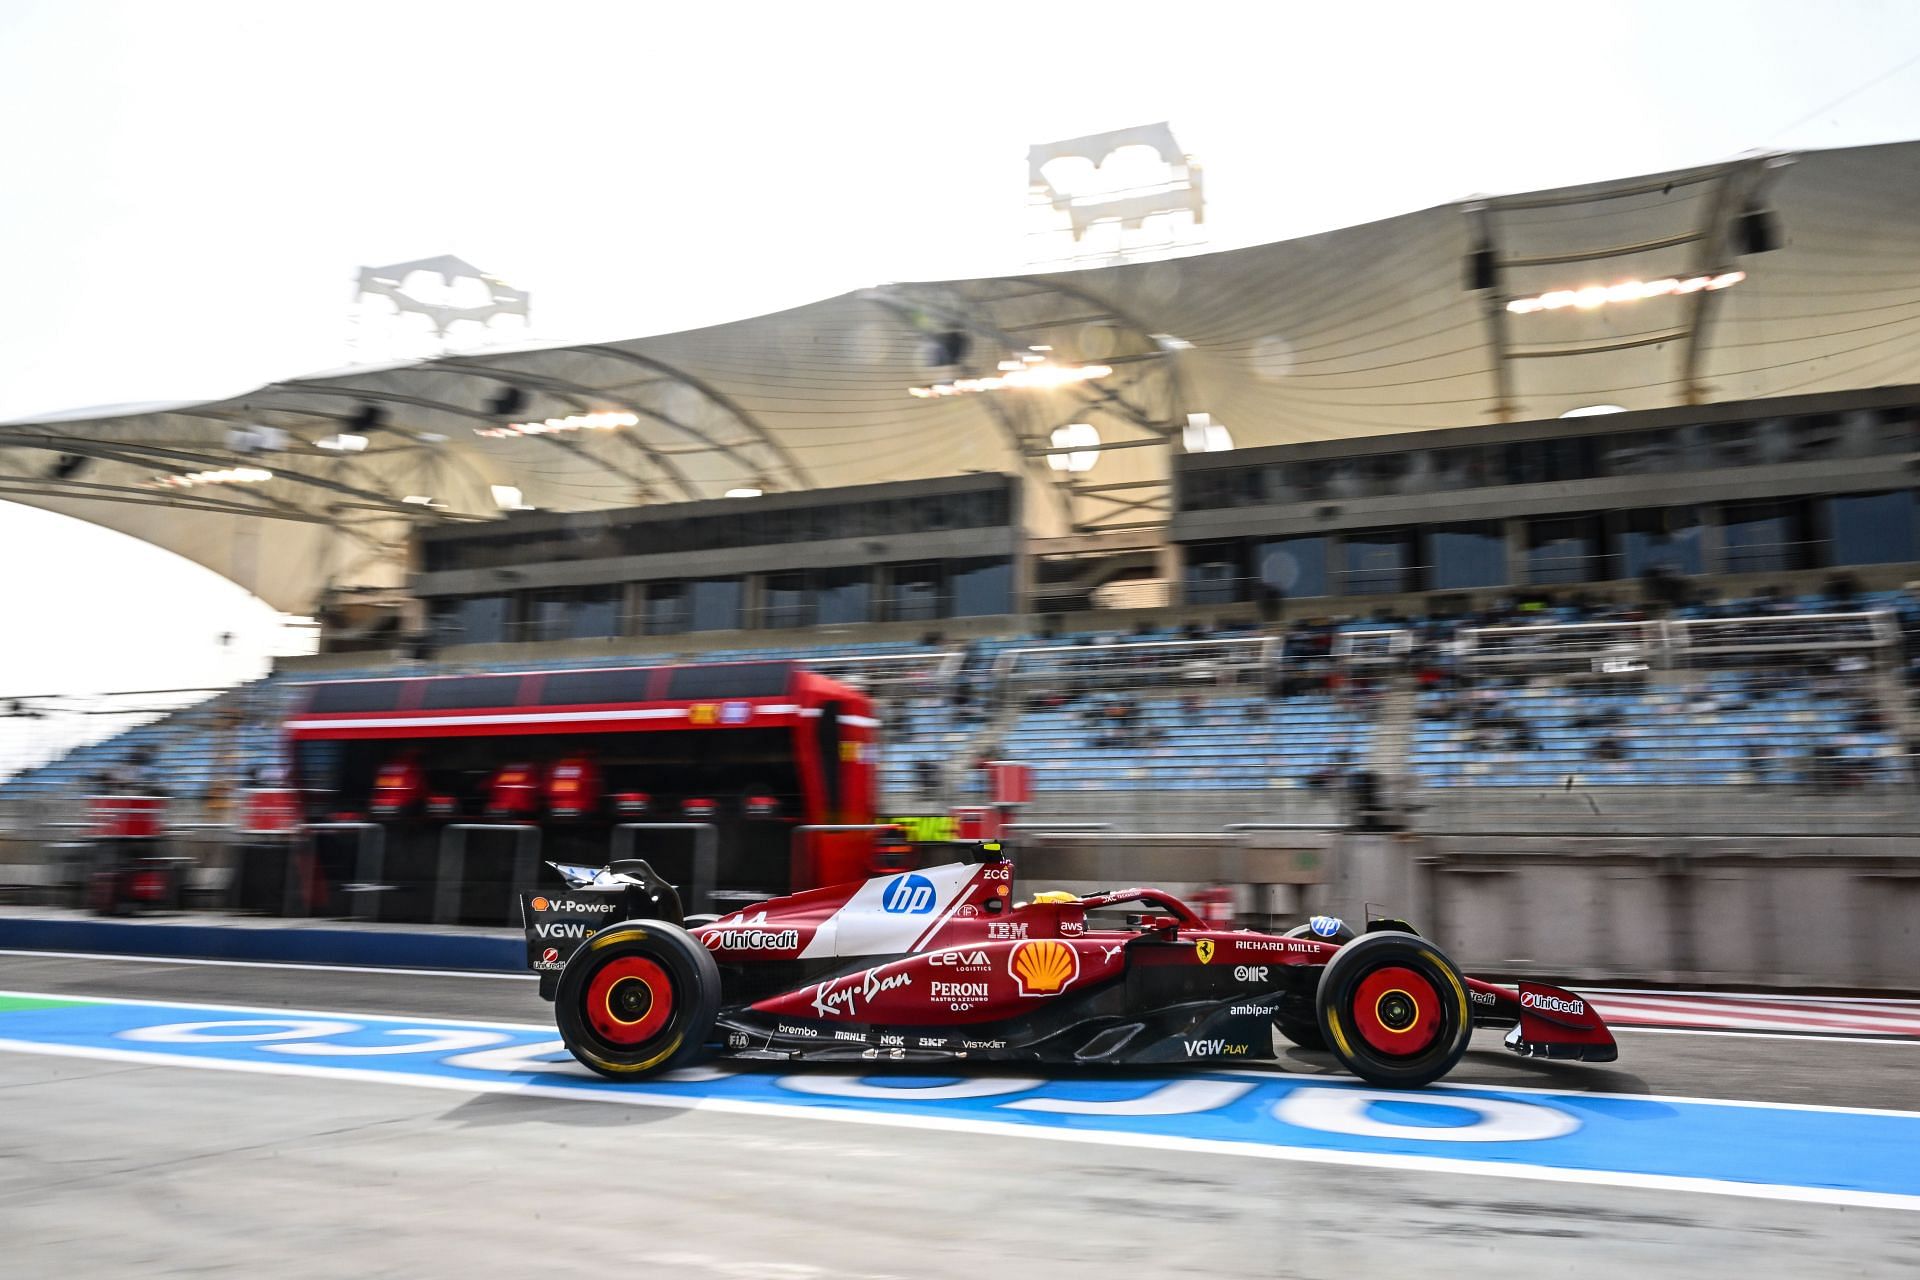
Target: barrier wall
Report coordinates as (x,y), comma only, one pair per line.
(1840,913)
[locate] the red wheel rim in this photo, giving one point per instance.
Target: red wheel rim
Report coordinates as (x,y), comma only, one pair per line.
(1397,1011)
(629,1000)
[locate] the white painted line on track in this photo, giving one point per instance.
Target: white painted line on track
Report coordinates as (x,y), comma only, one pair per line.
(413,1020)
(275,964)
(418,1019)
(1734,1033)
(996,1129)
(1749,995)
(1547,1091)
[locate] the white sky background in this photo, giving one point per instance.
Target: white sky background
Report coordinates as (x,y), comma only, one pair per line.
(187,188)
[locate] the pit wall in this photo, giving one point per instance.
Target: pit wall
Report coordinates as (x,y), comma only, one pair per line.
(1839,913)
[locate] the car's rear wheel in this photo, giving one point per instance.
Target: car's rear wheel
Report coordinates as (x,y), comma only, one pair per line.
(637,999)
(1394,1010)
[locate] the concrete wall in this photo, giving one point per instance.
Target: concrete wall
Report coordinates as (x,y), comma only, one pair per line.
(1841,912)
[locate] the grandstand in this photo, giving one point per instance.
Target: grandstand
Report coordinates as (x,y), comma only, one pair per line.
(1390,519)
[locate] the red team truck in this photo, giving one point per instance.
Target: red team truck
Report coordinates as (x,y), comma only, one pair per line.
(437,797)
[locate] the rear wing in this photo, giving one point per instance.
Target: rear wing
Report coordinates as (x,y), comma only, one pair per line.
(557,923)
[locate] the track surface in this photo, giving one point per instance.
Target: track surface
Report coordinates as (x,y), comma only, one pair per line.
(157,1169)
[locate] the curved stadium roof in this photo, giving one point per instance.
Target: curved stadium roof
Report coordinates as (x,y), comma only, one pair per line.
(1360,331)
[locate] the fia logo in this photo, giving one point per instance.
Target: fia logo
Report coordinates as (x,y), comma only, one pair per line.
(907,896)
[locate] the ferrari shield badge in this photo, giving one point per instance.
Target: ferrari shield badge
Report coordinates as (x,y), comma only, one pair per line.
(1203,948)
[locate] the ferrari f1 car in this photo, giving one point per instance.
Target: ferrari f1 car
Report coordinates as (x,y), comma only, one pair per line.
(944,964)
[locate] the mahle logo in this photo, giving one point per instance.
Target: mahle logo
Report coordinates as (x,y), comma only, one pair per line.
(908,895)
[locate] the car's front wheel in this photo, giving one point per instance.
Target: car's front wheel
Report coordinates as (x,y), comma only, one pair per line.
(637,999)
(1394,1010)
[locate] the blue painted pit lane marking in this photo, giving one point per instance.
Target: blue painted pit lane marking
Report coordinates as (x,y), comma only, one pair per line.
(1778,1151)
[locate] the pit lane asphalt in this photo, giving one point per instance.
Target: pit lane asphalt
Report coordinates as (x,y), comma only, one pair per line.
(108,1168)
(1706,1065)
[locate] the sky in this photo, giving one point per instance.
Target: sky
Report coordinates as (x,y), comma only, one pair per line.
(186,189)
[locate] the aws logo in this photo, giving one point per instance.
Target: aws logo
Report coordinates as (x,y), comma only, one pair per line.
(1043,968)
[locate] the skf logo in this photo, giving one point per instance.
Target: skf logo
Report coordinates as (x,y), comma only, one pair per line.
(1043,968)
(540,904)
(1203,948)
(703,713)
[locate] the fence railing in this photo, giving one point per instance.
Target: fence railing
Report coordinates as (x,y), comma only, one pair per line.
(1138,665)
(894,675)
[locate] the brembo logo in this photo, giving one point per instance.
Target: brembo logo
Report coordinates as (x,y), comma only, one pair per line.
(1551,1004)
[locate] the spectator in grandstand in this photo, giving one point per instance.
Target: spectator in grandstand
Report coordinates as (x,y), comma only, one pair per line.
(1330,775)
(1761,761)
(1867,719)
(926,777)
(1608,749)
(1601,717)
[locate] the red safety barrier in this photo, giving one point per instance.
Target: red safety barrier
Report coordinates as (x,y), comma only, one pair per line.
(127,817)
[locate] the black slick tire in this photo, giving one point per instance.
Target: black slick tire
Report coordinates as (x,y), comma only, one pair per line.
(637,999)
(1394,1009)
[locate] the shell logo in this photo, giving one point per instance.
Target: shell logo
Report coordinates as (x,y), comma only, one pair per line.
(1043,968)
(539,904)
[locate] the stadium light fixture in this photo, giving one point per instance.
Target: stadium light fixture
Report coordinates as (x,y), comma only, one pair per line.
(606,420)
(1593,410)
(1203,435)
(345,442)
(743,493)
(508,498)
(1078,436)
(1023,374)
(1600,295)
(225,475)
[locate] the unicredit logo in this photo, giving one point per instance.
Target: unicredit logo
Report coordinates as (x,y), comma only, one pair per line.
(1551,1004)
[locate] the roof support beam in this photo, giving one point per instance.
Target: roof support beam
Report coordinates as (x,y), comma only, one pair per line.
(752,424)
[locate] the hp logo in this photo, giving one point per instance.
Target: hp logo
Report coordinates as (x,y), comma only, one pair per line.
(1325,926)
(907,896)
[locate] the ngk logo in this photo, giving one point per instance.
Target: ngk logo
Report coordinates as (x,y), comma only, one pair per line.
(1551,1004)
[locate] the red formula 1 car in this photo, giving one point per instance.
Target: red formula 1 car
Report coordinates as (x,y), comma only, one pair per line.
(944,964)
